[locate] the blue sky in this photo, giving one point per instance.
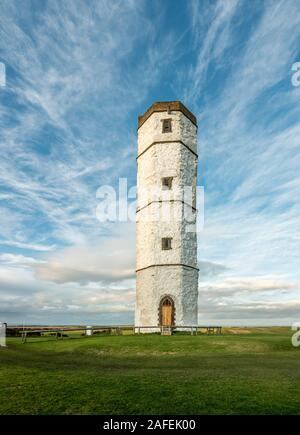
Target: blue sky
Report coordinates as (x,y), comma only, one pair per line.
(78,73)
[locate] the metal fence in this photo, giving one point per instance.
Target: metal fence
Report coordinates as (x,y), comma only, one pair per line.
(92,331)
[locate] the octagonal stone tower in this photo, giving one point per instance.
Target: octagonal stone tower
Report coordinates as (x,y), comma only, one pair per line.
(167,273)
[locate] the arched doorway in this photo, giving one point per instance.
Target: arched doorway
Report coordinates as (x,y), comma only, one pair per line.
(167,312)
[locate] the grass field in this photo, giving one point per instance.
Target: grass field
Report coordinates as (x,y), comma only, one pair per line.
(244,371)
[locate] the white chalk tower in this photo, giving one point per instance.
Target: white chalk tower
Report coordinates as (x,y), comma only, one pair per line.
(167,272)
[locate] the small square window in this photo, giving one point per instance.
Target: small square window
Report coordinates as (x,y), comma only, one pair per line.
(167,183)
(166,125)
(166,243)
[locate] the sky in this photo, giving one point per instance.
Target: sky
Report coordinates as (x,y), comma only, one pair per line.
(78,74)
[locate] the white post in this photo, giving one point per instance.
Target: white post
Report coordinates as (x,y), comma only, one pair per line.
(89,330)
(3,334)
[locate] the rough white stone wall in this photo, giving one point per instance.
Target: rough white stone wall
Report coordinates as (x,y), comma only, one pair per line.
(166,219)
(165,160)
(151,228)
(182,129)
(180,282)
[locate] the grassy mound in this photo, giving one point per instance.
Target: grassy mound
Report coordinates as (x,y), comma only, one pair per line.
(244,371)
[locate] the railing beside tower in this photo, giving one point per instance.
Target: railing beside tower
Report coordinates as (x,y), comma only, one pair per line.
(94,331)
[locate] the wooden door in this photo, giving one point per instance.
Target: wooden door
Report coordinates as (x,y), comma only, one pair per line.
(166,316)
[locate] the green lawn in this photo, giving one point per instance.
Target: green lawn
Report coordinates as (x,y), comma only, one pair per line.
(240,372)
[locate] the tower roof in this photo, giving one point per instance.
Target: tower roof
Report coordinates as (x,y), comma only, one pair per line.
(163,106)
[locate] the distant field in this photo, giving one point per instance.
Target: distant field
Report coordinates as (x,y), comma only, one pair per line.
(244,371)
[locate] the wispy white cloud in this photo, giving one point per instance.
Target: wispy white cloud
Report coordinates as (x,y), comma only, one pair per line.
(240,285)
(69,78)
(18,259)
(210,40)
(103,260)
